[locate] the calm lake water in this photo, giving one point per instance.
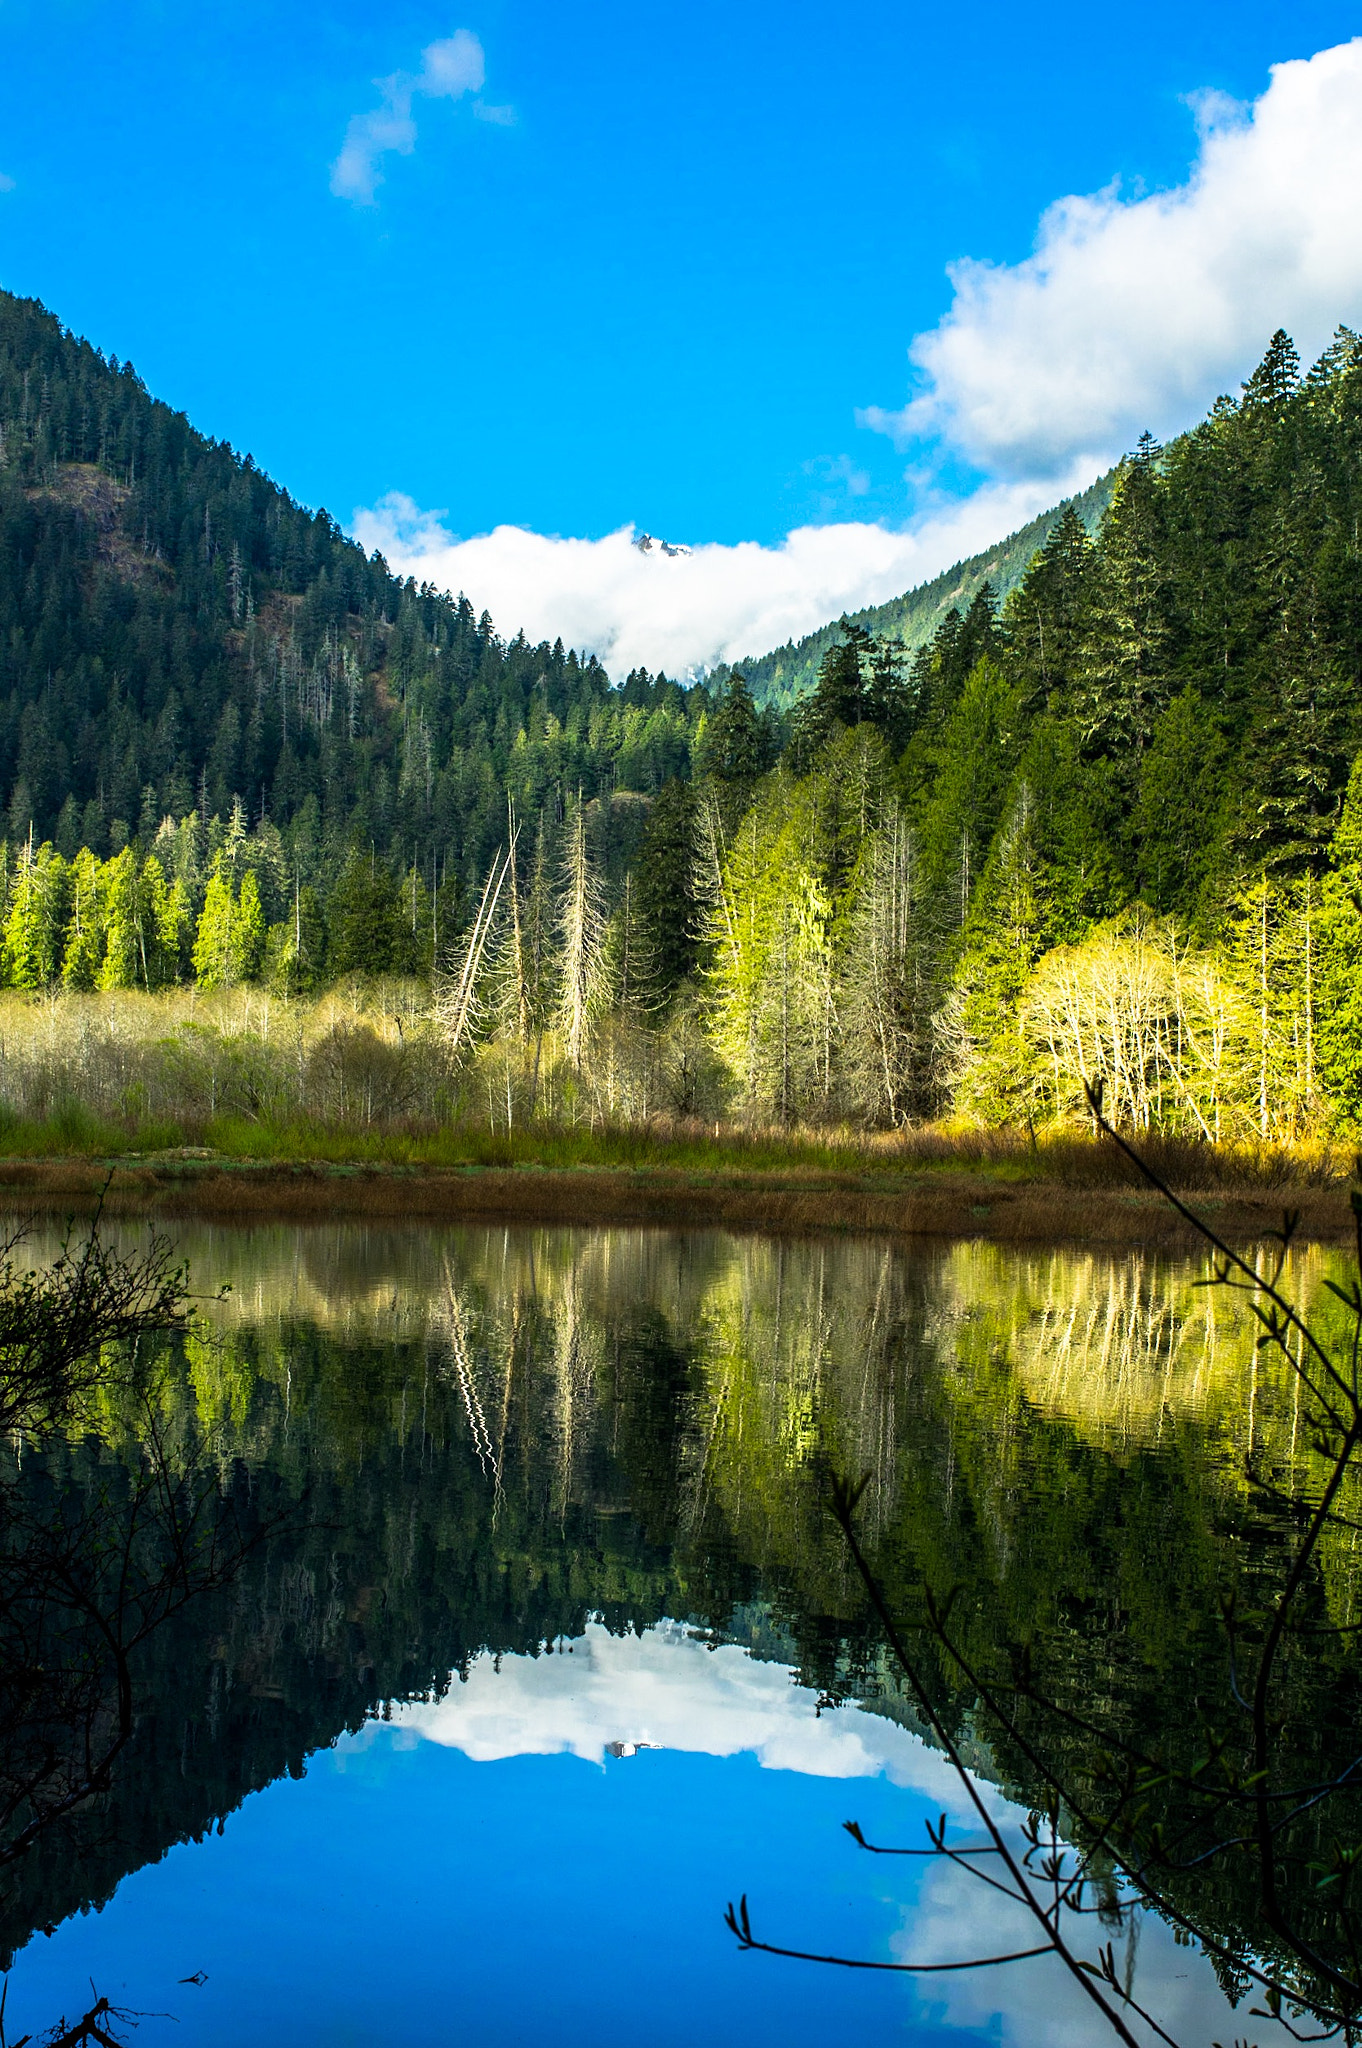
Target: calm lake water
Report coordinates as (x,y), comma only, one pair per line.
(543,1646)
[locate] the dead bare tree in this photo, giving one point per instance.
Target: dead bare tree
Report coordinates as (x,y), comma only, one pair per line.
(102,2023)
(459,1005)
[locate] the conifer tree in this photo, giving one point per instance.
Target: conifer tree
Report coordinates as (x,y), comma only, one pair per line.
(1276,378)
(35,927)
(301,967)
(629,965)
(840,696)
(84,945)
(983,1047)
(1122,669)
(734,749)
(664,883)
(1300,747)
(1339,1030)
(538,925)
(214,951)
(1178,804)
(248,931)
(730,878)
(971,759)
(1046,617)
(124,964)
(367,931)
(847,795)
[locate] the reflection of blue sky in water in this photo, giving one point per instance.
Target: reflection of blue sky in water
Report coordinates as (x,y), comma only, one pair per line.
(481,1869)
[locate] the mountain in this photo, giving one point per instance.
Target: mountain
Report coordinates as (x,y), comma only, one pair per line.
(177,634)
(1111,824)
(782,677)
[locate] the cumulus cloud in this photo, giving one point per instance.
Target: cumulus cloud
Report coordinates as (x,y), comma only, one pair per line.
(686,613)
(449,69)
(6,182)
(1136,312)
(1037,2004)
(668,1689)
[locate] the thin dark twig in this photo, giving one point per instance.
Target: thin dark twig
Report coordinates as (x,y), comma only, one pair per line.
(739,1923)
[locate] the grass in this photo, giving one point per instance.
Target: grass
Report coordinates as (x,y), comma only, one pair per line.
(1005,1158)
(931,1184)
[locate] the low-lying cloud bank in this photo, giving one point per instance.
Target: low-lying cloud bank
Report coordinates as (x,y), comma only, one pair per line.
(684,613)
(667,1689)
(1131,313)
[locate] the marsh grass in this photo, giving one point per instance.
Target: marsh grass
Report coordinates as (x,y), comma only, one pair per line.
(363,1079)
(1008,1158)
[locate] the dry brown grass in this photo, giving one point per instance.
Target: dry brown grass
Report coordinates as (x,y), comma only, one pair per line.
(931,1205)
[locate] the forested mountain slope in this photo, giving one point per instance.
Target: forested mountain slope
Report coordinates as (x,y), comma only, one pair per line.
(1106,827)
(1110,831)
(790,672)
(176,633)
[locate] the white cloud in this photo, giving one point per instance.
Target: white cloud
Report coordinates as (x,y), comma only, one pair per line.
(449,69)
(1133,312)
(452,67)
(6,182)
(1037,2004)
(1137,312)
(667,1688)
(685,613)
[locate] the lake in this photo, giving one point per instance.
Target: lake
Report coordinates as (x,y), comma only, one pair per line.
(528,1641)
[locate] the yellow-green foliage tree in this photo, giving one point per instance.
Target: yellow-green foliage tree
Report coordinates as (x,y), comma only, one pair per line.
(771,987)
(213,939)
(84,948)
(982,1046)
(36,922)
(125,954)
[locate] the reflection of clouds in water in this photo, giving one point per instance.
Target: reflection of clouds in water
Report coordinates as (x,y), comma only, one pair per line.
(666,1688)
(1037,2004)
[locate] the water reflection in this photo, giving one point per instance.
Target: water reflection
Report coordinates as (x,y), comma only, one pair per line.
(582,1472)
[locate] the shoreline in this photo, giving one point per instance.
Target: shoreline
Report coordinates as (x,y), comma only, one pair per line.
(949,1205)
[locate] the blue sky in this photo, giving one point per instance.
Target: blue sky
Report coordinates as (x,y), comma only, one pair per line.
(665,266)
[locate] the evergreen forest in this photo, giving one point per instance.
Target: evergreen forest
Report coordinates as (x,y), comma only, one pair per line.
(1108,822)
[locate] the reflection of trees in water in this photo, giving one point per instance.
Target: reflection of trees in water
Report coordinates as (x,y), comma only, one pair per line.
(1117,1347)
(1236,1817)
(97,1556)
(480,1437)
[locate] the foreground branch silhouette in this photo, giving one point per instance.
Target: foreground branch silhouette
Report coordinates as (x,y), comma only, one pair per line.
(1105,1849)
(88,1575)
